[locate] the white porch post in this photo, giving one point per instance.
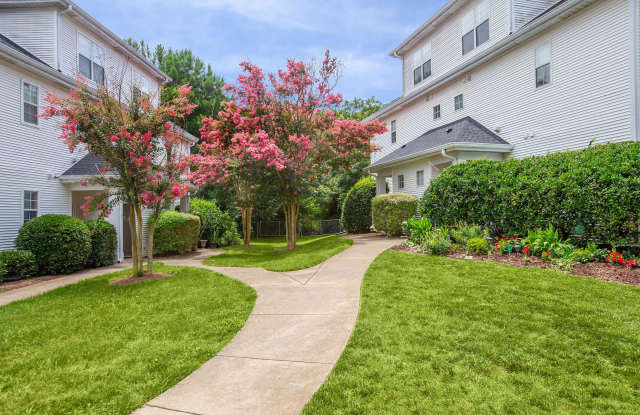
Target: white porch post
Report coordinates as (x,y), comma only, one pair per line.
(381,184)
(117,221)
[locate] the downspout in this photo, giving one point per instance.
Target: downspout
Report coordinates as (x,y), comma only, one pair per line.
(59,34)
(447,156)
(635,87)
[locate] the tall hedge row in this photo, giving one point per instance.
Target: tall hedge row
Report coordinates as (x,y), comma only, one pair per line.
(176,233)
(356,209)
(390,210)
(594,193)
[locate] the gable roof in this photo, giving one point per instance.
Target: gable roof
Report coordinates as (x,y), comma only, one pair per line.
(89,165)
(463,131)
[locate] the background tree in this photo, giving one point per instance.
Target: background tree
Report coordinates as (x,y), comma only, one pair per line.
(358,109)
(141,152)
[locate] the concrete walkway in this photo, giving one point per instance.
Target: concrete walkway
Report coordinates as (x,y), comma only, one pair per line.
(300,325)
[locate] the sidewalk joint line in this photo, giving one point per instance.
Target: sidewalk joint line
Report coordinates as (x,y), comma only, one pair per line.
(272,360)
(173,410)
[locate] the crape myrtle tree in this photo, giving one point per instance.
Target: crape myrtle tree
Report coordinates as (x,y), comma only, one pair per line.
(144,160)
(287,124)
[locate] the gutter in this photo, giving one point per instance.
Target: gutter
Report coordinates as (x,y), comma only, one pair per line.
(442,150)
(502,46)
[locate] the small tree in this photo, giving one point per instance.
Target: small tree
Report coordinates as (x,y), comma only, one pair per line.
(142,153)
(290,128)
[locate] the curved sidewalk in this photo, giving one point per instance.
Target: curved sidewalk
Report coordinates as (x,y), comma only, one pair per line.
(299,326)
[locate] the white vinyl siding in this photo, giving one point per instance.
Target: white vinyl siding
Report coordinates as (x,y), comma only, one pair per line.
(542,121)
(30,103)
(34,29)
(526,10)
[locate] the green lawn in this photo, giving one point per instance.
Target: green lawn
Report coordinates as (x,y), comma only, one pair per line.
(270,254)
(91,348)
(436,335)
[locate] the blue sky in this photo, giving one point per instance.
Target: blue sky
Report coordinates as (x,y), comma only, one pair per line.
(266,32)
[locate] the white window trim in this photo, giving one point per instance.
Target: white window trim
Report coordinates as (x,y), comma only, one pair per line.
(420,56)
(535,65)
(455,102)
(401,181)
(28,81)
(135,74)
(22,203)
(476,24)
(439,112)
(418,181)
(104,66)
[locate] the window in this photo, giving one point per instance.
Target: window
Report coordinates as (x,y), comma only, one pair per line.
(422,64)
(436,112)
(90,59)
(393,131)
(401,181)
(543,65)
(29,103)
(475,27)
(458,102)
(141,85)
(420,177)
(30,205)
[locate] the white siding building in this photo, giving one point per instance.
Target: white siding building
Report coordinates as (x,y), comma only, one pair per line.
(538,76)
(44,46)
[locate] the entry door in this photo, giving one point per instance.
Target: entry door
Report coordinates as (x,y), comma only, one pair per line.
(126,231)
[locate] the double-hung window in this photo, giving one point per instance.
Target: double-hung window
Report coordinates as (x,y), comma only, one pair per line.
(458,102)
(30,205)
(401,181)
(422,64)
(30,94)
(90,59)
(436,112)
(420,178)
(141,85)
(393,132)
(475,27)
(543,65)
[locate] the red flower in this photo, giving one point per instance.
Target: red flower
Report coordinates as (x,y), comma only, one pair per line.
(514,239)
(547,253)
(526,249)
(607,259)
(620,261)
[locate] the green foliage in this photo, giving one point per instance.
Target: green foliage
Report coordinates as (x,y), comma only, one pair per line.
(389,211)
(358,109)
(356,210)
(104,243)
(438,242)
(463,232)
(593,192)
(548,240)
(21,264)
(176,233)
(216,226)
(477,245)
(61,244)
(589,254)
(418,230)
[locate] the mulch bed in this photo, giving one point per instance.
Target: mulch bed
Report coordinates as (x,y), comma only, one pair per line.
(133,280)
(14,285)
(596,270)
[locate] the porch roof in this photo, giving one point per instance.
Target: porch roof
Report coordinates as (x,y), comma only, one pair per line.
(89,165)
(465,132)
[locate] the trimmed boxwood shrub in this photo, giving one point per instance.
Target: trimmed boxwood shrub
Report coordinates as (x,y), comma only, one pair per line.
(390,210)
(356,209)
(20,264)
(60,243)
(176,233)
(216,226)
(103,243)
(594,193)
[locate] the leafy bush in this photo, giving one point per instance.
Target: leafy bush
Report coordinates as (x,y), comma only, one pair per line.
(104,242)
(593,192)
(418,230)
(61,244)
(20,264)
(462,233)
(478,245)
(548,240)
(389,211)
(438,242)
(216,226)
(176,233)
(356,209)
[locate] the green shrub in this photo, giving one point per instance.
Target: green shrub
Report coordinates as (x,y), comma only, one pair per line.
(389,211)
(541,241)
(21,264)
(462,233)
(356,209)
(418,230)
(594,193)
(478,245)
(104,243)
(216,226)
(176,233)
(438,242)
(61,244)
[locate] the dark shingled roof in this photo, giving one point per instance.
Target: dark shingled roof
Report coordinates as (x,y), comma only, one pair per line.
(466,130)
(87,166)
(13,45)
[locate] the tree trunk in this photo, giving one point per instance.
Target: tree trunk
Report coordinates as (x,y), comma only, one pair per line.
(291,210)
(152,229)
(246,226)
(134,240)
(138,209)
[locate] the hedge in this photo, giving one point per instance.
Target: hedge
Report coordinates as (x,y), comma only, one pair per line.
(60,243)
(216,226)
(176,233)
(593,193)
(390,210)
(17,264)
(103,243)
(356,209)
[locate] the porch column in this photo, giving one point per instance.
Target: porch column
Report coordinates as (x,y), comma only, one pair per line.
(381,184)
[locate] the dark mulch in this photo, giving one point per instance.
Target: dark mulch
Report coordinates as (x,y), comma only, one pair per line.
(133,280)
(14,285)
(596,270)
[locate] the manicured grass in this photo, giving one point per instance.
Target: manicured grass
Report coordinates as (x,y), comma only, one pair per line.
(270,254)
(91,348)
(436,335)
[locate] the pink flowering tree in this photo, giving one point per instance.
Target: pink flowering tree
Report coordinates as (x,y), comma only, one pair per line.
(287,126)
(143,156)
